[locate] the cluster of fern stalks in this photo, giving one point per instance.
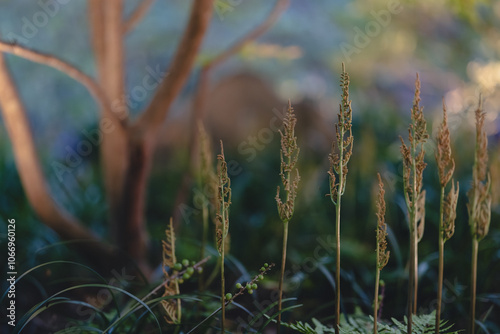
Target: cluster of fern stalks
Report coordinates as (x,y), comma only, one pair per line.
(413,159)
(413,155)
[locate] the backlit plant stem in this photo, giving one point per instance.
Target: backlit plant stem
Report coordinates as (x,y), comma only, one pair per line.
(222,224)
(413,167)
(382,253)
(283,262)
(289,154)
(447,204)
(337,257)
(473,279)
(441,262)
(479,206)
(223,288)
(375,299)
(341,153)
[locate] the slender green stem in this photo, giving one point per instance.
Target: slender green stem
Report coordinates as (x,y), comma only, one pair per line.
(410,285)
(414,225)
(223,289)
(223,251)
(441,261)
(204,237)
(411,278)
(375,299)
(283,261)
(337,264)
(415,271)
(340,189)
(473,279)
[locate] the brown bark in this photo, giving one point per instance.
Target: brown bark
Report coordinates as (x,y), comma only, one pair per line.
(273,16)
(132,233)
(203,86)
(89,83)
(28,163)
(126,150)
(96,24)
(31,175)
(137,15)
(179,69)
(114,151)
(204,78)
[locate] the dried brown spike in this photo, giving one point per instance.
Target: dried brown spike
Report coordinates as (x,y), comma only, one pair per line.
(289,154)
(417,116)
(414,154)
(171,307)
(445,162)
(482,146)
(450,211)
(223,200)
(342,147)
(383,254)
(479,205)
(420,215)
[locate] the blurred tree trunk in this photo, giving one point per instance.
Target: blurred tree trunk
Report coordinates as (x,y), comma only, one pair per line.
(127,151)
(127,148)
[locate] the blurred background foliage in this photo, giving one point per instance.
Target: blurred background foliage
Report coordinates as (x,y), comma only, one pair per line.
(453,45)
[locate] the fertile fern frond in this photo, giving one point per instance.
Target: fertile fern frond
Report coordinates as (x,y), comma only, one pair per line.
(172,307)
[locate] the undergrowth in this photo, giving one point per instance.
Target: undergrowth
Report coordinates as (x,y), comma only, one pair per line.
(174,304)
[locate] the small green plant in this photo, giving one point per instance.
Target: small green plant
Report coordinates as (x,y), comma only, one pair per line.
(248,287)
(362,324)
(382,253)
(479,206)
(448,204)
(339,157)
(413,168)
(290,178)
(222,222)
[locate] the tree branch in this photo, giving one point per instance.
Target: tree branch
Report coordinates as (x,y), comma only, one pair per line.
(39,57)
(96,24)
(178,72)
(137,15)
(198,108)
(28,164)
(114,55)
(203,82)
(275,13)
(106,26)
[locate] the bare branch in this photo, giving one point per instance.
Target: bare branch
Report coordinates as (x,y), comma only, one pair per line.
(278,8)
(39,57)
(28,164)
(96,25)
(137,15)
(198,109)
(114,84)
(178,72)
(203,82)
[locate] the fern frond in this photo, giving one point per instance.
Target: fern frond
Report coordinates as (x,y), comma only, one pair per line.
(172,307)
